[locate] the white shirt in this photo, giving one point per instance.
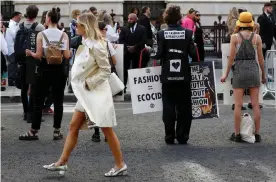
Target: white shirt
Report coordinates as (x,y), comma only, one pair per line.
(134,28)
(54,35)
(10,36)
(4,46)
(111,34)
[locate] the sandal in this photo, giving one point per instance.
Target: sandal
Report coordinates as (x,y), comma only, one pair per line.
(117,172)
(30,135)
(57,135)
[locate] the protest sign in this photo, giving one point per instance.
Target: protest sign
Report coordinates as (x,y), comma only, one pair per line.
(228,92)
(203,89)
(145,86)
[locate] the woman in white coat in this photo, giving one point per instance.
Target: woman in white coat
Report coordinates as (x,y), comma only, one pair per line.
(90,74)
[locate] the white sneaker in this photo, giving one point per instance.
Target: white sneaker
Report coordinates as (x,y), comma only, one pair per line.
(52,167)
(117,172)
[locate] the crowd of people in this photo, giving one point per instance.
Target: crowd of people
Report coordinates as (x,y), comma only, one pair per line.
(93,38)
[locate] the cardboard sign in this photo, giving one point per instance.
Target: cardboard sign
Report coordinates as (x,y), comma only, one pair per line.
(145,86)
(203,88)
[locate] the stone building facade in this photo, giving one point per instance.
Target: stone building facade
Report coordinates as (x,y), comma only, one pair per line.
(210,9)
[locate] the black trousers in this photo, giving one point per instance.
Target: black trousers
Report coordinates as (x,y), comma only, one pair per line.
(130,57)
(177,108)
(49,99)
(24,89)
(268,47)
(49,76)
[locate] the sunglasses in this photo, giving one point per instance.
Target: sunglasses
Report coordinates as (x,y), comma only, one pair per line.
(198,15)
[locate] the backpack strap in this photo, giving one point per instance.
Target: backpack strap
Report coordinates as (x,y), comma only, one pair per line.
(241,36)
(21,26)
(34,25)
(60,40)
(46,39)
(251,37)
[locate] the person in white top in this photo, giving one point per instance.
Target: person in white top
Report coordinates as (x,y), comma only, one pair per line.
(49,76)
(10,38)
(111,34)
(90,74)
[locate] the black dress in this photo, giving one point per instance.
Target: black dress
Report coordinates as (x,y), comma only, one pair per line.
(200,42)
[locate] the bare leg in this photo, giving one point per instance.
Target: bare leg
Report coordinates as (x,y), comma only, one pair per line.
(114,145)
(72,138)
(254,96)
(238,94)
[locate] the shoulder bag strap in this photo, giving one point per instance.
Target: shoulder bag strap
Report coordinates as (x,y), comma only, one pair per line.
(110,59)
(46,39)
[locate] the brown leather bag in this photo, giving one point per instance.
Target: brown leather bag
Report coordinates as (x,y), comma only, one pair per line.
(53,52)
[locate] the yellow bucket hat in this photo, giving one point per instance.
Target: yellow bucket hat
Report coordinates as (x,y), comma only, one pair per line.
(245,20)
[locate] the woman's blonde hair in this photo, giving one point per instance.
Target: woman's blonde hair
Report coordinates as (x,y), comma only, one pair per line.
(233,16)
(90,23)
(75,13)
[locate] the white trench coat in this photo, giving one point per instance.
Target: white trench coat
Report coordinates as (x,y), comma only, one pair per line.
(92,66)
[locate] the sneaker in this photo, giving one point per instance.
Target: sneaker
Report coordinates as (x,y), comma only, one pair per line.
(236,138)
(57,135)
(96,138)
(258,138)
(52,167)
(117,172)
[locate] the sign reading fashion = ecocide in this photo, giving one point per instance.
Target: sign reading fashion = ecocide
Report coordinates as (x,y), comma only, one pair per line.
(145,86)
(203,90)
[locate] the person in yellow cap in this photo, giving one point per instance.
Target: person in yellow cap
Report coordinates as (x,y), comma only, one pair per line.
(245,48)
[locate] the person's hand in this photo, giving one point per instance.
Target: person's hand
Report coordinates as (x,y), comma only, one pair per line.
(131,49)
(115,46)
(263,79)
(119,30)
(3,29)
(28,52)
(29,91)
(223,79)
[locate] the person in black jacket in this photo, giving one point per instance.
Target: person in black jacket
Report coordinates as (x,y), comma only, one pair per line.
(145,21)
(174,46)
(199,37)
(267,27)
(133,36)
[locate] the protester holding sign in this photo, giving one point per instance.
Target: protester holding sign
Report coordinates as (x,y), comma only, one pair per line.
(174,46)
(244,46)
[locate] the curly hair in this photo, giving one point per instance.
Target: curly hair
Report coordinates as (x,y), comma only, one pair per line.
(173,14)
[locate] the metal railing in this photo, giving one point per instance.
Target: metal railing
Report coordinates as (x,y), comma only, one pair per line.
(269,70)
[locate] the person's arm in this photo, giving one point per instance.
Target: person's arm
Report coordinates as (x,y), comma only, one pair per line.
(262,26)
(160,46)
(122,38)
(232,54)
(112,53)
(260,56)
(66,53)
(111,35)
(4,45)
(143,39)
(100,54)
(192,48)
(39,49)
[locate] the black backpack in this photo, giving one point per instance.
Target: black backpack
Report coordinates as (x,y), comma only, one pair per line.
(23,42)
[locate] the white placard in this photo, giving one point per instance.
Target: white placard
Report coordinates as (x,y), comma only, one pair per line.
(120,67)
(228,92)
(146,89)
